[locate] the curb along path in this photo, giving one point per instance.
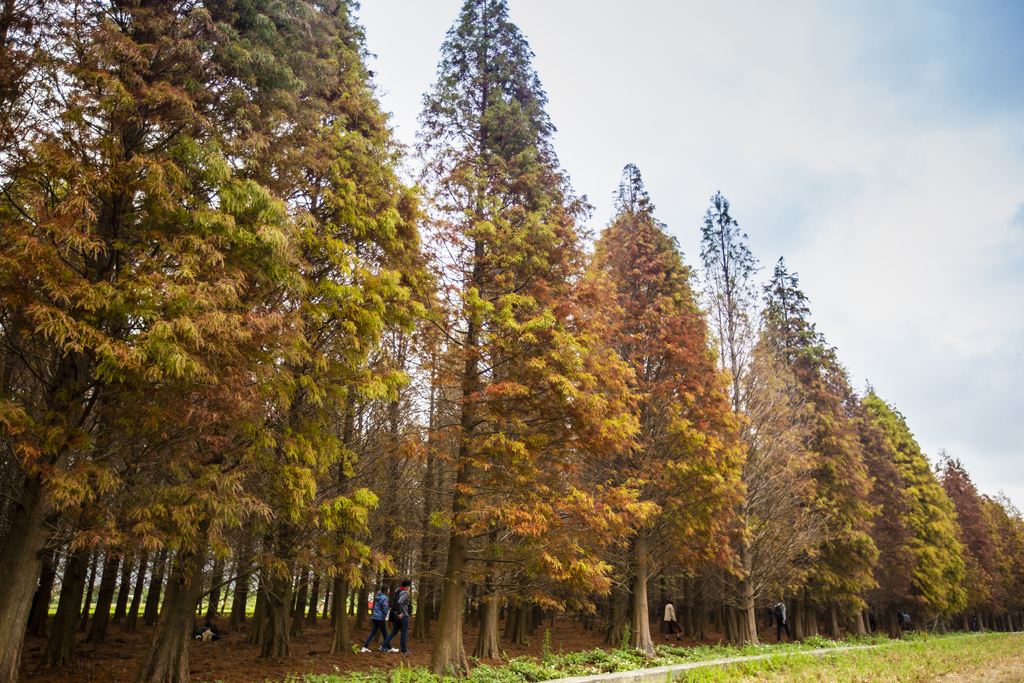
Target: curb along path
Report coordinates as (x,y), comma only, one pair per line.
(664,674)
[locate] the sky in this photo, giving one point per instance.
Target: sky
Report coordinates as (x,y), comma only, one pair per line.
(877,146)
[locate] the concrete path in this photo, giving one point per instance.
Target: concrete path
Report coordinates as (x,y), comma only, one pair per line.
(664,674)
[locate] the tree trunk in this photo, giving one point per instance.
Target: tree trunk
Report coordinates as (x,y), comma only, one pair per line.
(121,609)
(89,586)
(152,612)
(108,582)
(60,649)
(700,628)
(640,626)
(421,627)
(131,619)
(299,612)
(240,601)
(215,585)
(327,602)
(688,609)
(748,618)
(259,615)
(857,623)
(732,626)
(487,646)
(895,629)
(616,616)
(361,606)
(341,643)
(167,660)
(279,601)
(314,596)
(833,621)
(20,567)
(797,619)
(41,605)
(449,656)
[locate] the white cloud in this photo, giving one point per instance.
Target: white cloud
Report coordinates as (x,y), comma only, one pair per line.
(879,148)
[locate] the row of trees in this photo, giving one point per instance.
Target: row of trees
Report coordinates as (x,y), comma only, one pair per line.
(239,356)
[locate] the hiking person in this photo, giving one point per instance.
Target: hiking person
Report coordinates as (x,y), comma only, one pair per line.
(379,618)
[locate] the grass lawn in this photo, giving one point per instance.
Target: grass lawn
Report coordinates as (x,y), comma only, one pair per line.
(990,658)
(957,658)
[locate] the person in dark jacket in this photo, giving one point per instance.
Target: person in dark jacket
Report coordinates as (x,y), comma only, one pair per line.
(780,621)
(379,617)
(400,613)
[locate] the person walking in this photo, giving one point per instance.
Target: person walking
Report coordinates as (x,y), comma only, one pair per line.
(780,622)
(379,618)
(401,611)
(669,625)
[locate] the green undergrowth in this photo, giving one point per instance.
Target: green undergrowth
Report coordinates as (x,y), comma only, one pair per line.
(915,648)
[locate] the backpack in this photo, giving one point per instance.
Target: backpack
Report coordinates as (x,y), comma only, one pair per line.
(777,611)
(396,611)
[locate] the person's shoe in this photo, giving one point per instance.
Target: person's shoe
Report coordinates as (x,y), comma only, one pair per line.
(395,650)
(365,649)
(382,649)
(406,653)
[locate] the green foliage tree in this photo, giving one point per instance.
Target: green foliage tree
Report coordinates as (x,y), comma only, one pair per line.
(938,569)
(538,394)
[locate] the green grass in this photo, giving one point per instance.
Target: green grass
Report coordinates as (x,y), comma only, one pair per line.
(916,658)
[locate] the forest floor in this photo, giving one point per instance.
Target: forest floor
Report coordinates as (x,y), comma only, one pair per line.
(232,660)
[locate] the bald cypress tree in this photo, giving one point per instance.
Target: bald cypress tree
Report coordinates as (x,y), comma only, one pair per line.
(937,568)
(538,394)
(844,568)
(687,453)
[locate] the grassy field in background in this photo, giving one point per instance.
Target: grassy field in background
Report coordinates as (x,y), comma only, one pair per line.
(990,658)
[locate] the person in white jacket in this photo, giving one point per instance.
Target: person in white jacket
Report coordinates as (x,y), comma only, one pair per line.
(669,625)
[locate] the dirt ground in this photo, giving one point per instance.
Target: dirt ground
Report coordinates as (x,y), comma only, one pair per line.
(231,660)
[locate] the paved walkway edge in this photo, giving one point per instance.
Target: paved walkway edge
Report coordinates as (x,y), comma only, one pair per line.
(665,674)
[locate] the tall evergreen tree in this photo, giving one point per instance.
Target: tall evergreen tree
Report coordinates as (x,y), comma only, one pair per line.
(686,456)
(538,395)
(982,580)
(844,568)
(938,569)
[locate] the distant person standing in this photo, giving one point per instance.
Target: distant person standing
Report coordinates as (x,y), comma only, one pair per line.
(400,612)
(669,625)
(379,617)
(779,612)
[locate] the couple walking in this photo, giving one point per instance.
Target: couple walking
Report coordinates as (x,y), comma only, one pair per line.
(398,614)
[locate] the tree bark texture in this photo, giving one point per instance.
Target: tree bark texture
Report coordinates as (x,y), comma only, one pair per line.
(215,585)
(341,642)
(108,582)
(41,606)
(487,646)
(132,617)
(259,615)
(449,656)
(277,642)
(124,589)
(299,613)
(89,587)
(167,661)
(156,582)
(640,626)
(314,595)
(797,619)
(749,616)
(60,649)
